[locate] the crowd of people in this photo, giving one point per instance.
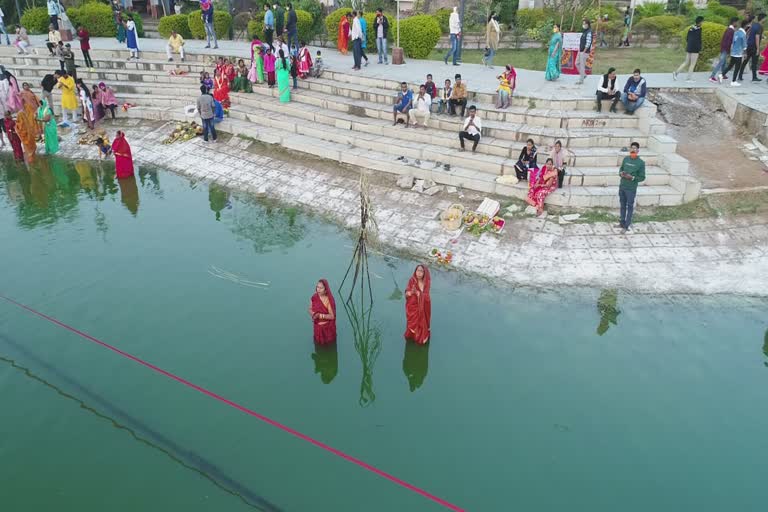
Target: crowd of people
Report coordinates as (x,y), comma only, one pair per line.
(739,46)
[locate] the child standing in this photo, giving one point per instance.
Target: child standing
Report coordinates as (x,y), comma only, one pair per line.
(442,107)
(295,71)
(269,67)
(317,67)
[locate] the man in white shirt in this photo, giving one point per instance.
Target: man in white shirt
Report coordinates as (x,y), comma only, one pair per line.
(278,45)
(471,130)
(454,25)
(2,27)
(356,34)
(420,111)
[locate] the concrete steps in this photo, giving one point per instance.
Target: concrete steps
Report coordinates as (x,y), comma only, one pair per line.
(348,118)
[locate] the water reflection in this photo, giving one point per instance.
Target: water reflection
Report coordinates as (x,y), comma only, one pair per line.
(765,347)
(129,194)
(326,358)
(416,364)
(607,306)
(218,199)
(150,180)
(267,225)
(50,189)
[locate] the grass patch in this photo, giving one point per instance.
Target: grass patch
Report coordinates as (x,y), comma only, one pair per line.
(650,60)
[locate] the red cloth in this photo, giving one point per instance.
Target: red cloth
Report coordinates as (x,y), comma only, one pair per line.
(123,157)
(418,309)
(764,66)
(230,72)
(13,137)
(343,41)
(325,330)
(305,62)
(85,40)
(221,91)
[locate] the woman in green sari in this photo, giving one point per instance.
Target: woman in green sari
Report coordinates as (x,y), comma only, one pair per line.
(283,69)
(50,132)
(554,55)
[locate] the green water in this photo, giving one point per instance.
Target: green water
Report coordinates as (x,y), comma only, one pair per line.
(579,400)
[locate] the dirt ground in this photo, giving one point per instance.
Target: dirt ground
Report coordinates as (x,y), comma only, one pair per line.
(710,141)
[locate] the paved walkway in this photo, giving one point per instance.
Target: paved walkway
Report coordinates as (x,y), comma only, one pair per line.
(696,256)
(479,78)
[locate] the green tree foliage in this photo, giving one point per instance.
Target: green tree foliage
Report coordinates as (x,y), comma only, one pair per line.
(221,23)
(175,22)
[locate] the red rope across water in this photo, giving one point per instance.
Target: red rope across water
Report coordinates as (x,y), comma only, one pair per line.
(241,408)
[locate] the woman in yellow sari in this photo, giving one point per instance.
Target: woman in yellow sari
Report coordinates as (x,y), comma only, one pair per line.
(26,122)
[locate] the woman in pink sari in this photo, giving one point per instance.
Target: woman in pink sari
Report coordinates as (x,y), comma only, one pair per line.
(123,157)
(322,309)
(764,66)
(545,183)
(418,306)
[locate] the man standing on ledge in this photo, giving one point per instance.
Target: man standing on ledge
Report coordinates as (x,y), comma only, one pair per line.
(585,48)
(206,6)
(454,25)
(382,28)
(692,49)
(357,41)
(632,172)
(269,25)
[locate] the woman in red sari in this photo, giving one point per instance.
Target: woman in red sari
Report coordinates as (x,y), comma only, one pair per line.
(544,184)
(123,158)
(13,137)
(418,306)
(221,89)
(343,41)
(322,309)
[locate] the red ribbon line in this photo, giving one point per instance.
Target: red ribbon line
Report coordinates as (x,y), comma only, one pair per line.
(243,409)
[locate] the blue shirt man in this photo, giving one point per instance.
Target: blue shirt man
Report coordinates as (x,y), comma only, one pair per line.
(404,103)
(635,89)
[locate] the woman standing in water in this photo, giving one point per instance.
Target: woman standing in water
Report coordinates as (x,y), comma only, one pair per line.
(48,123)
(322,309)
(418,306)
(123,156)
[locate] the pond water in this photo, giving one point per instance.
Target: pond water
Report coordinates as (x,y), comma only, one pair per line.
(573,400)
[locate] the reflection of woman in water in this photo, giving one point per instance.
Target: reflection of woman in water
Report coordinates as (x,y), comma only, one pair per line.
(418,306)
(129,193)
(322,309)
(416,364)
(326,358)
(607,306)
(765,346)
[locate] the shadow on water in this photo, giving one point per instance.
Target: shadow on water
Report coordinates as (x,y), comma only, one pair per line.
(607,306)
(765,347)
(186,458)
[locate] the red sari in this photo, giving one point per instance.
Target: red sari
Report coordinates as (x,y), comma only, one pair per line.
(764,66)
(123,158)
(13,137)
(305,62)
(221,90)
(545,184)
(343,41)
(325,330)
(418,309)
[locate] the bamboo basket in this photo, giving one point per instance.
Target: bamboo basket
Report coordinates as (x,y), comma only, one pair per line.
(452,217)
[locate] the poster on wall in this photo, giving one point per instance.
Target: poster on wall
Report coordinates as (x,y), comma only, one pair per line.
(571,41)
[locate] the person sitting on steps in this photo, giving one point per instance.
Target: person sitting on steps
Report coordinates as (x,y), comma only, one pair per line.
(458,96)
(471,129)
(634,92)
(403,104)
(607,90)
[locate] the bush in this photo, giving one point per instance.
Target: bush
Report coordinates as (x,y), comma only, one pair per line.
(315,8)
(418,35)
(724,11)
(95,17)
(711,34)
(530,18)
(651,10)
(174,22)
(332,23)
(305,26)
(507,10)
(666,27)
(221,23)
(443,17)
(36,20)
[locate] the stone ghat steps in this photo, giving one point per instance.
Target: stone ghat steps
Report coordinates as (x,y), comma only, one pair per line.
(577,196)
(514,135)
(601,163)
(158,72)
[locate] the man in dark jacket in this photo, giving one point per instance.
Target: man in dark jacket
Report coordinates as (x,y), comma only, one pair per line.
(382,30)
(725,50)
(634,92)
(279,19)
(692,49)
(753,47)
(585,47)
(48,83)
(608,91)
(291,26)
